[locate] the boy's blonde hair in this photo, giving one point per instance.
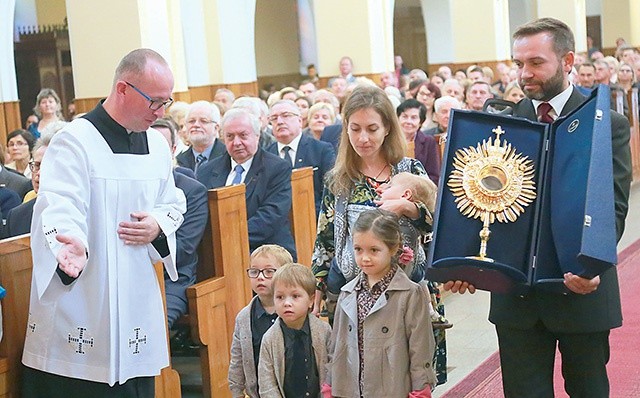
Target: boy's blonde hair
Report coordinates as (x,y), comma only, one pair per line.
(279,253)
(295,274)
(422,188)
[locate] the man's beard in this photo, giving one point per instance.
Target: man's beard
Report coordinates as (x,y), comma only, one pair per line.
(548,89)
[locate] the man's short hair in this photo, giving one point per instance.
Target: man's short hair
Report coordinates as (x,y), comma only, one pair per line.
(214,111)
(135,62)
(586,64)
(477,83)
(563,40)
(279,253)
(446,99)
(297,275)
(230,95)
(169,124)
(239,113)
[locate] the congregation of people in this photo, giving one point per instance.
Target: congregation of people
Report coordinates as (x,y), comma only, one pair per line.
(374,205)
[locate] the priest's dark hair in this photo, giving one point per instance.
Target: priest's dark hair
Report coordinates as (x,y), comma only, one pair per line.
(134,63)
(563,40)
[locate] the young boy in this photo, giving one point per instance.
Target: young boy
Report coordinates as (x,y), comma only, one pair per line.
(254,320)
(294,350)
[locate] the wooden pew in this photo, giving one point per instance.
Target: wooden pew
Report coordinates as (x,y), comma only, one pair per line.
(303,213)
(215,301)
(15,277)
(411,149)
(168,382)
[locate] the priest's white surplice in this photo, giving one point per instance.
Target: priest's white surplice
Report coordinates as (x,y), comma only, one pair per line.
(109,324)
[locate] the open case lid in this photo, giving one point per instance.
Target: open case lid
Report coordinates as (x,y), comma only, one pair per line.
(456,237)
(580,201)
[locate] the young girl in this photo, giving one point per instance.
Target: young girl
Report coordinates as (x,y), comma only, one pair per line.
(382,341)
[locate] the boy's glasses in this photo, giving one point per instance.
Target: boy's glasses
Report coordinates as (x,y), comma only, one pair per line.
(267,273)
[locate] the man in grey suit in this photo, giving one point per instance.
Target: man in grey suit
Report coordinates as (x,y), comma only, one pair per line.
(14,181)
(530,326)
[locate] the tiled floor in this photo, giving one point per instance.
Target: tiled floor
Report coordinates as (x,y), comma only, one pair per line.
(469,342)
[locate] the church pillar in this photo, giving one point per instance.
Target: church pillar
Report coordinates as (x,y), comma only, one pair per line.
(572,12)
(9,104)
(459,37)
(101,33)
(370,43)
(219,47)
(620,19)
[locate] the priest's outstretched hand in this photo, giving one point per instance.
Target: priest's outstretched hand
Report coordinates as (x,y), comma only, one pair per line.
(72,257)
(141,230)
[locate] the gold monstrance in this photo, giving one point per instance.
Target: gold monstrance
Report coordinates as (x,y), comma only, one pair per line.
(492,181)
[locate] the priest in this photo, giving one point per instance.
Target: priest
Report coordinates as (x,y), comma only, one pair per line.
(107,210)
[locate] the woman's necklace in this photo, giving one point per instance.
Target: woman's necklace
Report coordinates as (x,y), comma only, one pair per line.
(377,175)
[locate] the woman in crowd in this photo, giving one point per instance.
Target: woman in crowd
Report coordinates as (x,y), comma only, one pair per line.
(48,110)
(20,144)
(626,77)
(513,92)
(303,103)
(427,94)
(320,116)
(411,115)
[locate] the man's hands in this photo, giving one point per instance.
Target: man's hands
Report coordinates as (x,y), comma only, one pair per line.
(72,257)
(459,287)
(580,285)
(142,230)
(575,283)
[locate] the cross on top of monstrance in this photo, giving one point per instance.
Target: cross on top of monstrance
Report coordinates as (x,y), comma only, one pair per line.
(498,132)
(492,182)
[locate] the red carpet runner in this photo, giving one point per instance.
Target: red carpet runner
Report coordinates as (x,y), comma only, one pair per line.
(623,368)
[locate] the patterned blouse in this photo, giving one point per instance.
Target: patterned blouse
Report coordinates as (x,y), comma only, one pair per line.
(363,194)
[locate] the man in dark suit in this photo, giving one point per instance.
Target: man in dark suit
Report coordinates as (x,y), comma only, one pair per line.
(530,326)
(300,150)
(267,180)
(189,235)
(18,219)
(201,123)
(14,181)
(331,134)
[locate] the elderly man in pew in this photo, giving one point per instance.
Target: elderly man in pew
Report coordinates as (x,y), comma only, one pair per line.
(107,210)
(188,236)
(201,123)
(300,150)
(267,179)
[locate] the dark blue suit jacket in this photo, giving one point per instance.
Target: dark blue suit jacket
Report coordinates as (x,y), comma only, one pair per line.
(18,220)
(314,153)
(186,158)
(575,313)
(188,238)
(268,195)
(331,134)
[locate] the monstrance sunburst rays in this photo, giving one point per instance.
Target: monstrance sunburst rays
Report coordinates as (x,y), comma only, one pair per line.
(491,181)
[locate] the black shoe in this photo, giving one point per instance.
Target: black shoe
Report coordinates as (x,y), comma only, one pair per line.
(182,345)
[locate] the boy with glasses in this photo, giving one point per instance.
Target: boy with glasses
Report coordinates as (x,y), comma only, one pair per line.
(254,320)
